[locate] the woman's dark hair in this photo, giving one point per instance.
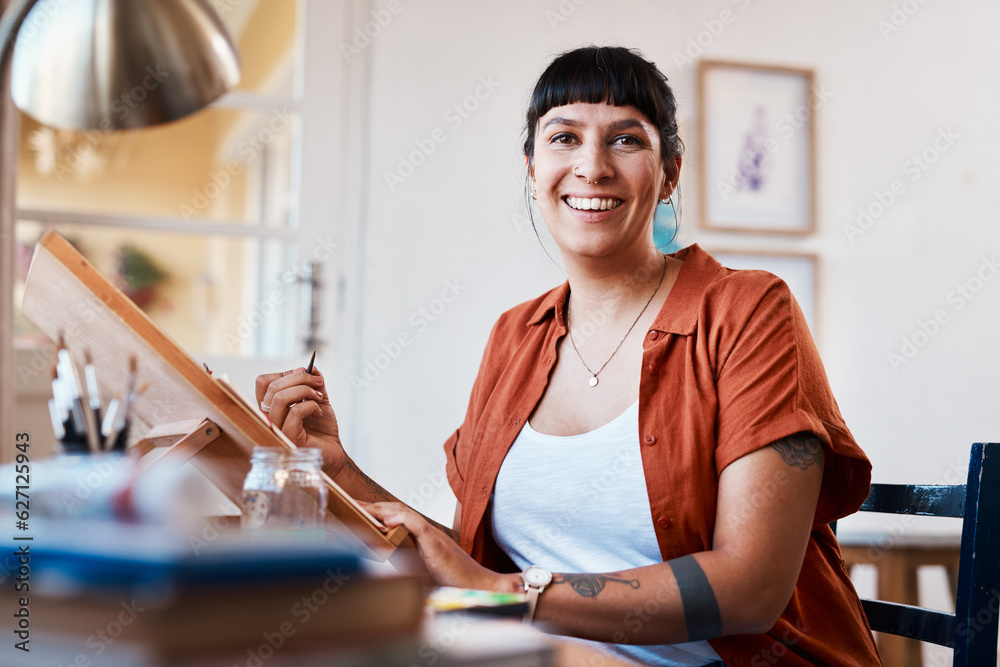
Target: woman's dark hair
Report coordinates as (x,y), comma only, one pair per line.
(611,74)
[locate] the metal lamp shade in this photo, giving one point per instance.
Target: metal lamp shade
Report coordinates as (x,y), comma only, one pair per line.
(118,64)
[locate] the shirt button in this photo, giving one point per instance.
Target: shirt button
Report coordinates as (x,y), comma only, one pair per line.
(650,440)
(486,492)
(517,422)
(653,370)
(652,335)
(664,522)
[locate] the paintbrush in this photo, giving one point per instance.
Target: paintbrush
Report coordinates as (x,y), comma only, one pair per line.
(60,417)
(93,397)
(312,360)
(57,427)
(108,431)
(116,421)
(123,421)
(72,399)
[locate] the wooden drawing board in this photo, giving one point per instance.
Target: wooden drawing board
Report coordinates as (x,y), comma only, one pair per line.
(65,294)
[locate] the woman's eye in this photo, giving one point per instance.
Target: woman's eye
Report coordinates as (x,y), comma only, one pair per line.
(562,139)
(628,140)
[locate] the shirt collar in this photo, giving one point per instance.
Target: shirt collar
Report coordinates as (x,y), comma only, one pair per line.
(553,302)
(680,312)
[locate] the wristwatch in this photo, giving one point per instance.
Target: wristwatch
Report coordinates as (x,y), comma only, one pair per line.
(535,580)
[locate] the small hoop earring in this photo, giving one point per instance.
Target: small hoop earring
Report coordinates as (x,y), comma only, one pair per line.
(534,195)
(665,201)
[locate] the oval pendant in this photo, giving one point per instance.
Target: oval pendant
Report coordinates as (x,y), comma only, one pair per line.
(593,381)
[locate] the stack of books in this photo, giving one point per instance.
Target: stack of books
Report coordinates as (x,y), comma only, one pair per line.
(102,592)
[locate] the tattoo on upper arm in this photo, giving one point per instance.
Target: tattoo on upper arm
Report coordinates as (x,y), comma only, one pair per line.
(373,487)
(802,450)
(701,608)
(590,585)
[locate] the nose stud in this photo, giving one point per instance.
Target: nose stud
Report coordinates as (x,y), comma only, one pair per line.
(589,182)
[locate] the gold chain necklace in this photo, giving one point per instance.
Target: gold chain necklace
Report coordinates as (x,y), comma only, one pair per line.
(593,380)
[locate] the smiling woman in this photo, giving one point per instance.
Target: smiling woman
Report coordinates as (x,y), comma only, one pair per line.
(597,175)
(673,504)
(623,124)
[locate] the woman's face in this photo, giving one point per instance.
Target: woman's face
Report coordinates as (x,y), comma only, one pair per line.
(617,149)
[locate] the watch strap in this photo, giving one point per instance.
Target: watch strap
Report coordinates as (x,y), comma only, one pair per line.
(532,592)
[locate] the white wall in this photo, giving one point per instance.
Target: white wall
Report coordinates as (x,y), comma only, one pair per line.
(456,217)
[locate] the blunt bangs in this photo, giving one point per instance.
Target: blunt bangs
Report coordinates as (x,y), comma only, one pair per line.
(613,75)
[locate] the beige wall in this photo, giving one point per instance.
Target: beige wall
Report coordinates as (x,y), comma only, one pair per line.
(460,215)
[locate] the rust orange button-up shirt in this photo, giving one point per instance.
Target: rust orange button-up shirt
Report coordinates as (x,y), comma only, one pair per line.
(728,367)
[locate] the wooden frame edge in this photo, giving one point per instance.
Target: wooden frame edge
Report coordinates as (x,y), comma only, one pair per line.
(703,218)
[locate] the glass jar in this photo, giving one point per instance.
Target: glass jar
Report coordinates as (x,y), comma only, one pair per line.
(260,488)
(301,500)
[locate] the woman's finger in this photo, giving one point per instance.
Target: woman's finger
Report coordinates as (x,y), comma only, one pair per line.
(287,381)
(396,514)
(281,402)
(263,382)
(292,425)
(267,384)
(382,510)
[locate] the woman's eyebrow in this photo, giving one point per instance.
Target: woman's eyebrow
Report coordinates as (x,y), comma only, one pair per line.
(625,124)
(560,120)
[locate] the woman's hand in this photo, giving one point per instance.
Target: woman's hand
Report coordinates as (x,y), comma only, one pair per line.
(298,405)
(446,562)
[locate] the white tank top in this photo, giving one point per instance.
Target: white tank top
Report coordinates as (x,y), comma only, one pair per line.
(579,504)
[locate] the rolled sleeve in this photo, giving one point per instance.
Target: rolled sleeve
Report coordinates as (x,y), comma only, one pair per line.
(455,476)
(771,384)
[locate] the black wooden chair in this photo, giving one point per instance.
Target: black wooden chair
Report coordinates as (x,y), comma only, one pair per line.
(972,630)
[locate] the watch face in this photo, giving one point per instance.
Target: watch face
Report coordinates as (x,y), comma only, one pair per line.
(536,576)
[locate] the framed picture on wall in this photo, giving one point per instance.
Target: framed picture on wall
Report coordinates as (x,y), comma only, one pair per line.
(758,151)
(798,270)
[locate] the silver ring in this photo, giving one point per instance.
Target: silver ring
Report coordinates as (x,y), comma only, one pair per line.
(264,408)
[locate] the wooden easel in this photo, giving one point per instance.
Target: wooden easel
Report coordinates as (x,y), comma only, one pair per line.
(201,419)
(184,441)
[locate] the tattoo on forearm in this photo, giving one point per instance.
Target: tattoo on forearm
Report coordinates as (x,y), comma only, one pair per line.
(450,532)
(701,609)
(802,450)
(379,494)
(373,487)
(590,585)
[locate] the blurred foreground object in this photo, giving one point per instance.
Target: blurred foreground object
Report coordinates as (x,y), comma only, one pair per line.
(148,595)
(111,487)
(284,490)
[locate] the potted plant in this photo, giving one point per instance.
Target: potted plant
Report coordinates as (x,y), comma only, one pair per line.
(138,274)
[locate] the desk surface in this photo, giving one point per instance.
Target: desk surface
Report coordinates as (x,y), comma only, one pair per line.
(446,642)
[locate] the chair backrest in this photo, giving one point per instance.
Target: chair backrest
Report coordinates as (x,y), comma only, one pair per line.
(972,630)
